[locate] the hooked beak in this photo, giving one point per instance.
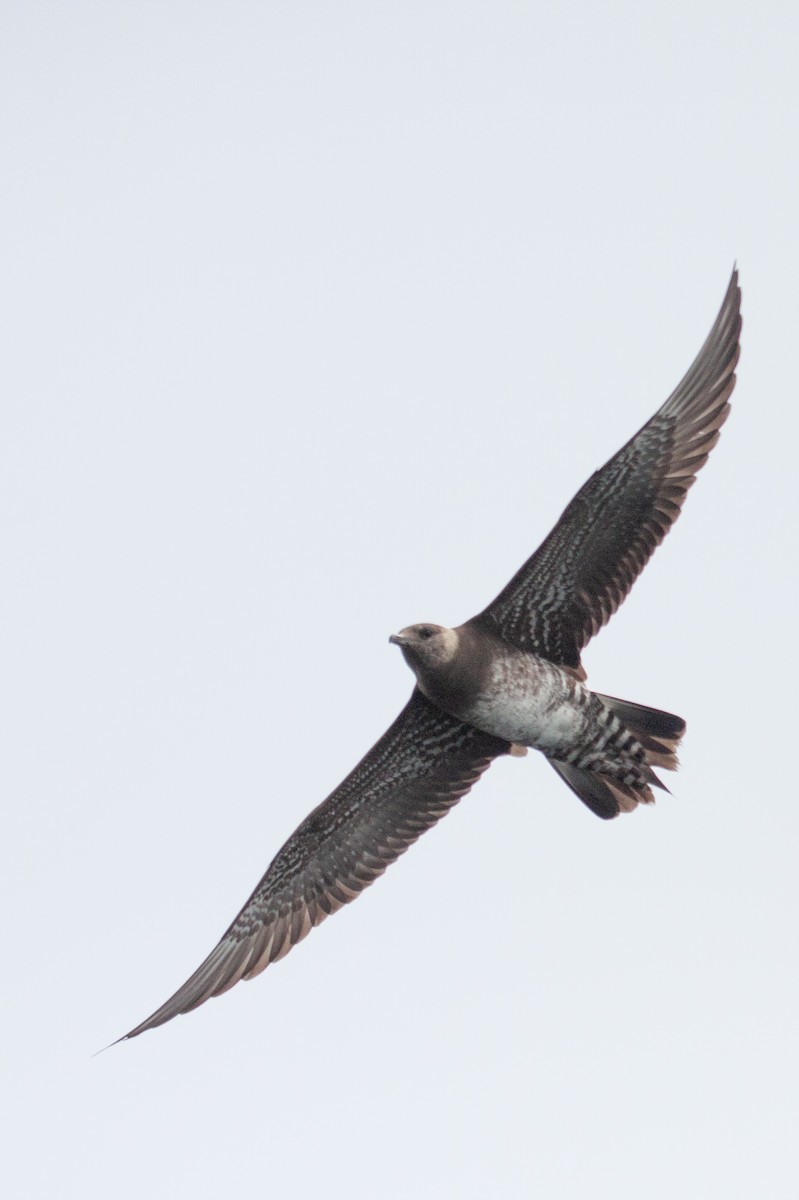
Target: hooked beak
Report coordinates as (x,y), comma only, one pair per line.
(397,639)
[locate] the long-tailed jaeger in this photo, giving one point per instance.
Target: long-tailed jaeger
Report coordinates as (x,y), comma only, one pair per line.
(509,678)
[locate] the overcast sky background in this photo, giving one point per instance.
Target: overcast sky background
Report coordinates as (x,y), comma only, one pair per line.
(315,317)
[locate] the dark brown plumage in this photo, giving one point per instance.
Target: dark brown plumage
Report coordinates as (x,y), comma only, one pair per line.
(428,760)
(419,769)
(581,573)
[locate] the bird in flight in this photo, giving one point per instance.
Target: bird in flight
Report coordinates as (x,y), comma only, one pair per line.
(507,679)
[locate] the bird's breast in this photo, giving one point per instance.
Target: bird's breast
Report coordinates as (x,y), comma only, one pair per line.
(529,701)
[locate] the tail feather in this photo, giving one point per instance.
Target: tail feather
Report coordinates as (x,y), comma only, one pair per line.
(606,794)
(658,732)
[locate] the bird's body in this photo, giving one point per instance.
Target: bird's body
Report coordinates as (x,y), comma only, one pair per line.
(509,693)
(511,677)
(530,702)
(473,674)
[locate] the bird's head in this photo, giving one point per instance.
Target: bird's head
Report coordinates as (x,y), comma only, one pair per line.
(429,647)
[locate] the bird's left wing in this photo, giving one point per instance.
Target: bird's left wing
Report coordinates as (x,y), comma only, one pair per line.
(420,768)
(582,572)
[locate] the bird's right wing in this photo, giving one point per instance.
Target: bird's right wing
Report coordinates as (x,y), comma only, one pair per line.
(420,768)
(582,572)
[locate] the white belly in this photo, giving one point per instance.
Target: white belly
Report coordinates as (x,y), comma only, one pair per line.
(532,703)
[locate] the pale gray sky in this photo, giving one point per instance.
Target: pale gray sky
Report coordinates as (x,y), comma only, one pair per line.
(316,316)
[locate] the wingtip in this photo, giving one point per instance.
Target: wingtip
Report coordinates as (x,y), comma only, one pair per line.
(734,290)
(110,1045)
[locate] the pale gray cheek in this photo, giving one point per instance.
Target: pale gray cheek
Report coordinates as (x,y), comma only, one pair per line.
(442,650)
(449,645)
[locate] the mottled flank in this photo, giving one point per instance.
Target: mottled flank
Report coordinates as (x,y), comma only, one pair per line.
(509,678)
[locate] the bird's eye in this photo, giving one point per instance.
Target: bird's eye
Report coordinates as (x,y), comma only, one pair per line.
(426,632)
